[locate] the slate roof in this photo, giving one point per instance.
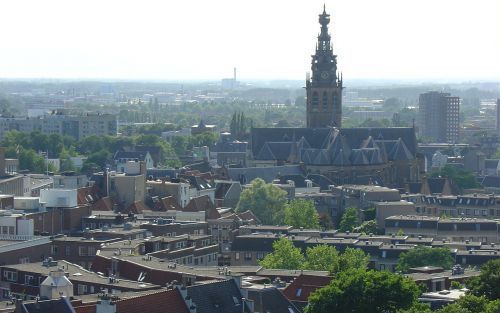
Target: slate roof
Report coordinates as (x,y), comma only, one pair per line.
(217,297)
(491,163)
(331,146)
(271,300)
(262,242)
(230,146)
(61,305)
(202,166)
(268,174)
(491,181)
(436,184)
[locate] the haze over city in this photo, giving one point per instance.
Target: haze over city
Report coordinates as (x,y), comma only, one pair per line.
(204,40)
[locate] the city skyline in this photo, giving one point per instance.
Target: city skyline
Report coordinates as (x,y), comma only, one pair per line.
(195,40)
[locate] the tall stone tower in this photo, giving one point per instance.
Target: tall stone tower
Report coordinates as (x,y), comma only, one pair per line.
(324,88)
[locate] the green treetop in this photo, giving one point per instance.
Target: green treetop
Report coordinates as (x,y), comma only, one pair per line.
(301,213)
(266,201)
(364,291)
(284,256)
(425,256)
(349,220)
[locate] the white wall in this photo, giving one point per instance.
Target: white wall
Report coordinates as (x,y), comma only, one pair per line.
(25,227)
(59,197)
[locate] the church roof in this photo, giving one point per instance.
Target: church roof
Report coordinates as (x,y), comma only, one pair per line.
(400,152)
(332,146)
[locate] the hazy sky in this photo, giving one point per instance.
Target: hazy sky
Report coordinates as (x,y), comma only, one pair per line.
(264,39)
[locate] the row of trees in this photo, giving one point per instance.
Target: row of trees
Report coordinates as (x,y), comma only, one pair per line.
(99,150)
(318,258)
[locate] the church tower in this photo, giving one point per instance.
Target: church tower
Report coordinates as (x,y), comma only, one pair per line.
(324,88)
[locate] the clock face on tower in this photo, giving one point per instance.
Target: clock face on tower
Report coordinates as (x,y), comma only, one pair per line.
(324,75)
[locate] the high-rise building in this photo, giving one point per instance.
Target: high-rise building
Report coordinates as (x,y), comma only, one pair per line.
(438,117)
(76,126)
(324,88)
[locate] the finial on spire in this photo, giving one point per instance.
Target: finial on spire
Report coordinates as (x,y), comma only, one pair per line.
(324,8)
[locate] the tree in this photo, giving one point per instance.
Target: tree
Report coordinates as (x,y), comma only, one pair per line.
(353,259)
(30,160)
(301,213)
(284,256)
(425,256)
(322,258)
(349,220)
(488,282)
(266,201)
(364,291)
(369,227)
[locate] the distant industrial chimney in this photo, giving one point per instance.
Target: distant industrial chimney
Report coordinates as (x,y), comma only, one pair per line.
(234,74)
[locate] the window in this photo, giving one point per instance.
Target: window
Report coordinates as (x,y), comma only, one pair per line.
(10,275)
(29,280)
(68,250)
(299,292)
(82,289)
(259,255)
(82,251)
(91,251)
(315,99)
(237,256)
(24,260)
(248,256)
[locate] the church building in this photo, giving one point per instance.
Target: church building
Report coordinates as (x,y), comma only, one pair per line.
(383,156)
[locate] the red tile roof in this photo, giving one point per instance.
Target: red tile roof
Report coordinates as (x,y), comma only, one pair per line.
(167,204)
(103,204)
(307,284)
(164,301)
(137,208)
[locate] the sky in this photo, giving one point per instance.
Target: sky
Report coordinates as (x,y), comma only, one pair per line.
(263,39)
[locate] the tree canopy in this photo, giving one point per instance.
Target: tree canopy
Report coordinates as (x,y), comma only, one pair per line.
(488,282)
(322,258)
(317,258)
(301,213)
(284,256)
(425,256)
(364,291)
(266,201)
(349,220)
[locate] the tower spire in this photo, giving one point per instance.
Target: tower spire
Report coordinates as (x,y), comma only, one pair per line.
(324,89)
